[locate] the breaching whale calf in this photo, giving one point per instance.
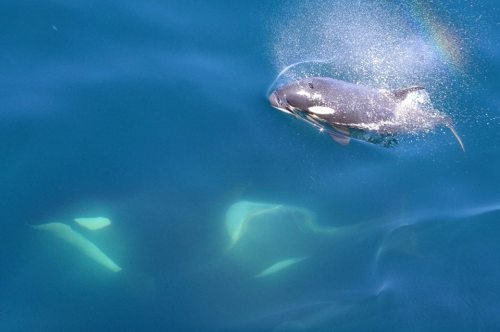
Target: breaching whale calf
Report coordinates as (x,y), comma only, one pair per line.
(346,110)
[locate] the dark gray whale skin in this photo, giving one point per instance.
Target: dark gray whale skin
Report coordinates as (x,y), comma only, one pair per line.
(346,110)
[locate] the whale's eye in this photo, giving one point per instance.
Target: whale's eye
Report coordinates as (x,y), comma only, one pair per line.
(310,85)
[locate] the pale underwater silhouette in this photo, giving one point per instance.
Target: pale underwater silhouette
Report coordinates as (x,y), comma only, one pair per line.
(93,223)
(77,240)
(271,237)
(241,214)
(279,266)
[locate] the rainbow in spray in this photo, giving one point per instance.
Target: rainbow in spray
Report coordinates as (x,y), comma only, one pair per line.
(445,38)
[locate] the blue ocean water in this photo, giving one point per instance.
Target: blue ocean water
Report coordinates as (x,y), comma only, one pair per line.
(154,115)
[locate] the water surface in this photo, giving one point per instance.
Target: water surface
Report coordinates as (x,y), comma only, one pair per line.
(154,115)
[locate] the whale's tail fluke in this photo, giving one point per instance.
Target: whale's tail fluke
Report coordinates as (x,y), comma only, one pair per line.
(454,132)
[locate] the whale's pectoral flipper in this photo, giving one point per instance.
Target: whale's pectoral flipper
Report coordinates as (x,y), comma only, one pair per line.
(402,93)
(339,138)
(342,129)
(342,136)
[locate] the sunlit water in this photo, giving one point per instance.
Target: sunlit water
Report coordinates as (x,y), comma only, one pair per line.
(154,115)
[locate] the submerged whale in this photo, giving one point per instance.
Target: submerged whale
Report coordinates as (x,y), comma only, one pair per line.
(346,110)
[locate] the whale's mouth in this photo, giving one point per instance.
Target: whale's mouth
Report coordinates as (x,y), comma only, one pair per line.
(275,102)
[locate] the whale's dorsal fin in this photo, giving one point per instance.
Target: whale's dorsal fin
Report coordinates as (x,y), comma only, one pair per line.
(402,93)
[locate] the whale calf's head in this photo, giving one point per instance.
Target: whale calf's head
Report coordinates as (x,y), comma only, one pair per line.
(277,99)
(305,96)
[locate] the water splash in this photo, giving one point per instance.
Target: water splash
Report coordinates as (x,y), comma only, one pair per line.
(376,43)
(367,43)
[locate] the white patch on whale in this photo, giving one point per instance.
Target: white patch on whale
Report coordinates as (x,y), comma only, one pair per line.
(67,234)
(279,266)
(321,110)
(93,223)
(241,213)
(313,96)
